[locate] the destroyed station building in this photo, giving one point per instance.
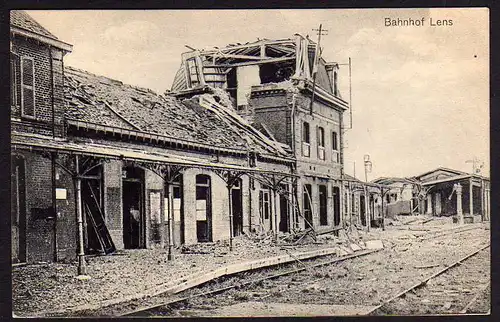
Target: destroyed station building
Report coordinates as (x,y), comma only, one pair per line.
(293,97)
(98,165)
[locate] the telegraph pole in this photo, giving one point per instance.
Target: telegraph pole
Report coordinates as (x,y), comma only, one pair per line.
(320,32)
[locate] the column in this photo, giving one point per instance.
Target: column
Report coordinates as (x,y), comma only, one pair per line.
(471,202)
(460,214)
(230,197)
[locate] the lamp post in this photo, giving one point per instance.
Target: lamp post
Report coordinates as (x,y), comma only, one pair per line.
(368,168)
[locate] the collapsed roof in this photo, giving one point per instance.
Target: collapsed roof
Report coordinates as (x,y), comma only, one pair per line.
(277,60)
(93,99)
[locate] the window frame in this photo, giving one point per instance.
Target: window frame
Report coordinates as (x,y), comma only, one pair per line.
(320,133)
(23,86)
(306,139)
(335,147)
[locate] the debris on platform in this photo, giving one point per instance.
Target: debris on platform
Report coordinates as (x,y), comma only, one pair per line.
(374,244)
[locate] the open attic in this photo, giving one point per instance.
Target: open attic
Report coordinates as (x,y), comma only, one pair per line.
(237,67)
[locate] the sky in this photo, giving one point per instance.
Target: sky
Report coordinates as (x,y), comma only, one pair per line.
(420,94)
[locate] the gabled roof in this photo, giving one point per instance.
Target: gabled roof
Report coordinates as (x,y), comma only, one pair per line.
(100,100)
(448,170)
(390,180)
(23,24)
(22,20)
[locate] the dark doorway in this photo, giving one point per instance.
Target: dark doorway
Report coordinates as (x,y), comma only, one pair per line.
(133,209)
(307,200)
(362,210)
(237,208)
(323,217)
(336,206)
(203,208)
(284,215)
(92,207)
(18,210)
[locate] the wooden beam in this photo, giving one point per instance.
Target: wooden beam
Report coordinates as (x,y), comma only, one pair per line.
(241,56)
(272,60)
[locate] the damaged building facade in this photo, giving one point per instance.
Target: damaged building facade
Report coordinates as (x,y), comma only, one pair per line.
(292,96)
(248,140)
(98,165)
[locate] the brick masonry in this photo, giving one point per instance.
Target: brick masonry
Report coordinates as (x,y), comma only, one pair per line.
(48,63)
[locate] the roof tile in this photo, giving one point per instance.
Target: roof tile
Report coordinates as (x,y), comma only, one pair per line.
(22,20)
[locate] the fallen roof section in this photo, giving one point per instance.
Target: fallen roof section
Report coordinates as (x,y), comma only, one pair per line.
(101,100)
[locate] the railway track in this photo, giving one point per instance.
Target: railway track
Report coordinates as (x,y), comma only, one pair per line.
(243,279)
(264,283)
(452,290)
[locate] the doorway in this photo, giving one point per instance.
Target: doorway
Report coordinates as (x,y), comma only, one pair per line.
(284,210)
(92,208)
(133,208)
(336,206)
(18,210)
(307,203)
(323,218)
(237,208)
(203,208)
(362,209)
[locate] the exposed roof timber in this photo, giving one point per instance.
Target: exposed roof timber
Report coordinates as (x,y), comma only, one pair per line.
(50,41)
(264,61)
(238,56)
(234,48)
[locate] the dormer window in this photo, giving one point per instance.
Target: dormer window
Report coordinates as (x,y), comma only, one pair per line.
(321,143)
(306,140)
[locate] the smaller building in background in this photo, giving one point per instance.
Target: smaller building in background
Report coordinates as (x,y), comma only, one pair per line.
(441,197)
